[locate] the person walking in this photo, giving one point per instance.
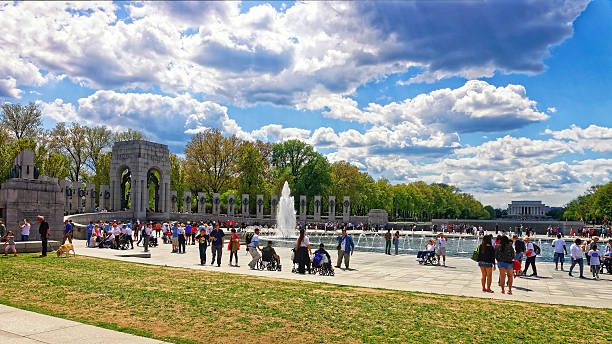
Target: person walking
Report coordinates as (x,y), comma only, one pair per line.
(388,236)
(181,238)
(345,248)
(486,262)
(594,255)
(504,254)
(303,252)
(519,248)
(174,234)
(43,229)
(67,232)
(9,240)
(531,257)
(25,230)
(253,248)
(202,239)
(441,248)
(234,246)
(217,244)
(147,231)
(396,238)
(559,251)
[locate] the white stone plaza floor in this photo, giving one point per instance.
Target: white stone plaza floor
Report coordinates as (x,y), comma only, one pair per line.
(23,327)
(460,276)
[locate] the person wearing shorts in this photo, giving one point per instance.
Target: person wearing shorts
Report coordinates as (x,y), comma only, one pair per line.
(504,254)
(559,251)
(441,248)
(486,262)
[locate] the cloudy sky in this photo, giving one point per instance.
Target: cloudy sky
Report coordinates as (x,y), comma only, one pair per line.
(507,100)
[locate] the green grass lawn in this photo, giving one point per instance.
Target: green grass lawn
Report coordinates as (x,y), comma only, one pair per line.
(190,306)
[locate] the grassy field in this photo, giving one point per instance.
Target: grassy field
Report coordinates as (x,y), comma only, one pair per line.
(189,306)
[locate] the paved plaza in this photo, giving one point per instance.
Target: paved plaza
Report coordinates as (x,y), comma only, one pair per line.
(461,276)
(23,327)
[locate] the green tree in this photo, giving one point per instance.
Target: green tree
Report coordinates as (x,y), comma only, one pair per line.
(69,141)
(210,161)
(491,211)
(97,139)
(251,170)
(129,135)
(21,121)
(314,177)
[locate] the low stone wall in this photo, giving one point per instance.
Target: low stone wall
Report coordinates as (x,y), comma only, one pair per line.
(35,246)
(538,227)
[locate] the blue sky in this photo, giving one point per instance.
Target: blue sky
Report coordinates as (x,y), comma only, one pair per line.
(508,100)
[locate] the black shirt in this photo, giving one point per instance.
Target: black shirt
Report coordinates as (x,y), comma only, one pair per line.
(43,228)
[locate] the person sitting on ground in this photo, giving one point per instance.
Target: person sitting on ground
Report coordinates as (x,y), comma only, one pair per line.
(268,253)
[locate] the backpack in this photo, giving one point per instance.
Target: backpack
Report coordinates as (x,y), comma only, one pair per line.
(317,259)
(475,254)
(536,249)
(249,236)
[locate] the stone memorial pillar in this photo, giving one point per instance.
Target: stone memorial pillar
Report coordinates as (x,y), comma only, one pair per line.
(216,204)
(259,207)
(90,201)
(173,201)
(104,196)
(303,208)
(202,203)
(77,197)
(331,208)
(66,193)
(187,202)
(231,205)
(273,206)
(245,205)
(317,208)
(346,209)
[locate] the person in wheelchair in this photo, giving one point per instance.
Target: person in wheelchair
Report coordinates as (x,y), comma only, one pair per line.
(269,258)
(430,251)
(321,262)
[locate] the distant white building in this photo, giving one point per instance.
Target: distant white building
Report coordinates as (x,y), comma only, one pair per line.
(527,209)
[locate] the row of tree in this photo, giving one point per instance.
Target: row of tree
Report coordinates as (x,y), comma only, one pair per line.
(214,163)
(594,206)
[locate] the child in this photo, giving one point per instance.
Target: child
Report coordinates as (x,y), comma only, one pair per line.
(10,243)
(202,239)
(594,260)
(233,247)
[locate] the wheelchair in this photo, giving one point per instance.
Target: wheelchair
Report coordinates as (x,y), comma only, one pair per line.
(270,265)
(427,258)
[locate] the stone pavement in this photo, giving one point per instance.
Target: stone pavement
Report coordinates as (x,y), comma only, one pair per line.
(23,327)
(461,276)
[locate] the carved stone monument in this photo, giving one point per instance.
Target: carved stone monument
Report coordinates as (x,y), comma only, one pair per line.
(187,202)
(104,197)
(317,208)
(25,196)
(273,206)
(331,208)
(202,203)
(231,205)
(216,204)
(245,206)
(259,207)
(67,193)
(303,207)
(138,165)
(346,209)
(173,201)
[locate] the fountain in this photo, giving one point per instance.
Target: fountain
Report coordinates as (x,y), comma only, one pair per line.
(285,217)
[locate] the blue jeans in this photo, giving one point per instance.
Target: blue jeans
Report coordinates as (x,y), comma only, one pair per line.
(396,246)
(203,254)
(25,237)
(579,262)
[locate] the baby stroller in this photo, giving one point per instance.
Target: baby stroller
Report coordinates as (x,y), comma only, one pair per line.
(153,241)
(607,264)
(427,258)
(321,265)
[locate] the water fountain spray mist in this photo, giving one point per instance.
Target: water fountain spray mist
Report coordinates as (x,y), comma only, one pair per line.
(285,216)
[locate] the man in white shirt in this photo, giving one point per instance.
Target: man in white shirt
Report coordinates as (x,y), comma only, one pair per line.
(441,245)
(531,257)
(559,251)
(25,230)
(576,253)
(254,249)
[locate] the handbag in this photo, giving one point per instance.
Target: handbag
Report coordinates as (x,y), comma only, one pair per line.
(475,254)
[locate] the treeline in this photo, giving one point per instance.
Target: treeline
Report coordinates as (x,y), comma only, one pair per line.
(595,205)
(214,163)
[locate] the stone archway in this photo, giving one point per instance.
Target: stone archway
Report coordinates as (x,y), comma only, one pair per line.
(140,159)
